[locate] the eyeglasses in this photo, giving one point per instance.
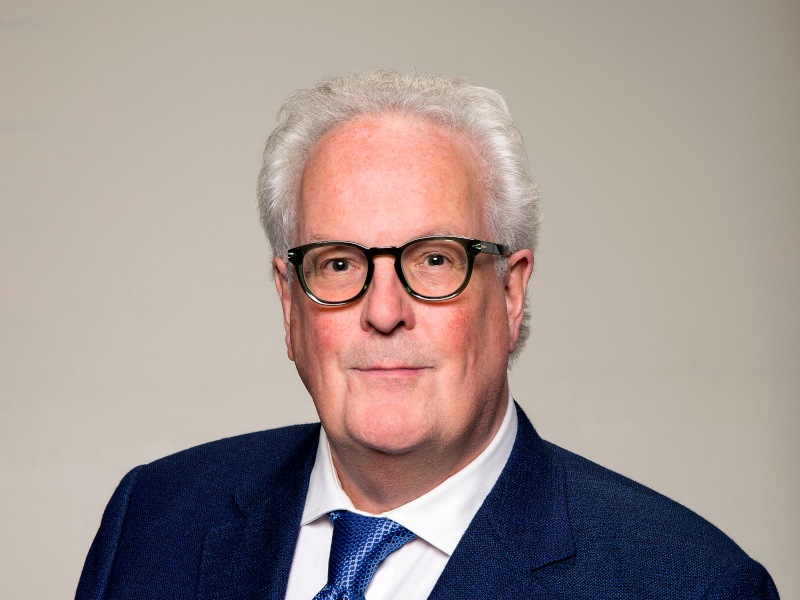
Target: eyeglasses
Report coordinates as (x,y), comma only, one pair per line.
(431,268)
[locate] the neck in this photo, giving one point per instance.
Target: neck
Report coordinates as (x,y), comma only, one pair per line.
(377,482)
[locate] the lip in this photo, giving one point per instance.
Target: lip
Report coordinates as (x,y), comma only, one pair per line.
(391,370)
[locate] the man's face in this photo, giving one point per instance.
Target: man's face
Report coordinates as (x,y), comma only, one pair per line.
(390,373)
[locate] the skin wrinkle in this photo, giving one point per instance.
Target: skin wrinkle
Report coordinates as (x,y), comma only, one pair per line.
(397,433)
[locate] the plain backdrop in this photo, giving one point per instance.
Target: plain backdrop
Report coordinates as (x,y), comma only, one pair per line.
(137,310)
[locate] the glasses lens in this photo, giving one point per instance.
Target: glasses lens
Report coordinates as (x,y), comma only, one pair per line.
(335,272)
(435,268)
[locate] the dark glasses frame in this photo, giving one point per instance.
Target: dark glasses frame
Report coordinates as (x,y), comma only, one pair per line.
(472,247)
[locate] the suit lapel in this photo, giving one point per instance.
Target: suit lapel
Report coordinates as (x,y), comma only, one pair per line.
(522,526)
(250,556)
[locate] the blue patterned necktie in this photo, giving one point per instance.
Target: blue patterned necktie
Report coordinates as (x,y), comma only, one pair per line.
(359,545)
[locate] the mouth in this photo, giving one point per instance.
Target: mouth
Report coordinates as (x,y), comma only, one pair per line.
(391,370)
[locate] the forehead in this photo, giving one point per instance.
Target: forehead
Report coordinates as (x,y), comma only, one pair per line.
(393,178)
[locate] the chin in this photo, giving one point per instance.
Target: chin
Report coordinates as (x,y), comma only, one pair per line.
(390,431)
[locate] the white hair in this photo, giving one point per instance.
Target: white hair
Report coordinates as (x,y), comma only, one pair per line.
(512,208)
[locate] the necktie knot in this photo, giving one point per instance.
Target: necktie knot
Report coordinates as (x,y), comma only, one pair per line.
(359,545)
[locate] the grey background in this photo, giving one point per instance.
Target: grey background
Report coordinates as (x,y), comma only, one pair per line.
(137,311)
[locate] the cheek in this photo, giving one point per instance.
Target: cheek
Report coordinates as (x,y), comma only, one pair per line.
(462,334)
(484,333)
(317,338)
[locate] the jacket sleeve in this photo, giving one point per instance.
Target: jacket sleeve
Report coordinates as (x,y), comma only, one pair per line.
(100,561)
(745,579)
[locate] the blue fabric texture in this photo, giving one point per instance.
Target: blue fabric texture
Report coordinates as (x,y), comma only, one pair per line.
(359,545)
(221,521)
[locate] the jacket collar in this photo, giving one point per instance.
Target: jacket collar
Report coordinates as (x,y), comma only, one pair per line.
(522,526)
(250,556)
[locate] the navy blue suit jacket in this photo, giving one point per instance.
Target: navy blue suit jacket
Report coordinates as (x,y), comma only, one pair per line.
(221,521)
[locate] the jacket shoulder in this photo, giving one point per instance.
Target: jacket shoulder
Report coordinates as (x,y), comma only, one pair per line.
(212,472)
(153,530)
(625,531)
(600,497)
(236,456)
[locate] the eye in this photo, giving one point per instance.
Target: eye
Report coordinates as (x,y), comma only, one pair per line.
(435,260)
(337,265)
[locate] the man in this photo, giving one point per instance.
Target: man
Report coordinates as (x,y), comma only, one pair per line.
(403,220)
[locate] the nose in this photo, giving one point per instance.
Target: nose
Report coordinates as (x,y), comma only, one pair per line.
(386,305)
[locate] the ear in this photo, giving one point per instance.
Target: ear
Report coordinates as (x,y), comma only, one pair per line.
(520,267)
(280,275)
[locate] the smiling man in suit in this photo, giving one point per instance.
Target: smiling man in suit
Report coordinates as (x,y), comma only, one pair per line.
(403,220)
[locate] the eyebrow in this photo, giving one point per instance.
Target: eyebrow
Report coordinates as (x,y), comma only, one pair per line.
(314,238)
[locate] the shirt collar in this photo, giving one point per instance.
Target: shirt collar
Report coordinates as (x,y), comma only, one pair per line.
(439,517)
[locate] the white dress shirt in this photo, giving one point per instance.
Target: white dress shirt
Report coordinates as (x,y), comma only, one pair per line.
(439,519)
